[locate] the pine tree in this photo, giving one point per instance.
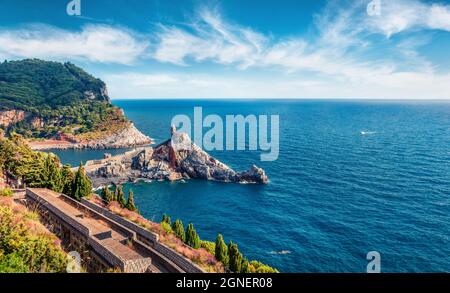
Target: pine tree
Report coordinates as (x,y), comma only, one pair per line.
(221,252)
(130,203)
(82,186)
(178,229)
(192,238)
(235,262)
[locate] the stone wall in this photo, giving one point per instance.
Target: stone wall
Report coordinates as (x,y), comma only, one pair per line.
(149,238)
(140,231)
(77,237)
(187,265)
(40,201)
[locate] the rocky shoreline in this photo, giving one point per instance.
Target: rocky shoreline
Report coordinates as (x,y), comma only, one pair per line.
(175,159)
(128,137)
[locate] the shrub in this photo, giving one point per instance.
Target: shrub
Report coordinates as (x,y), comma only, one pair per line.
(25,245)
(166,219)
(7,192)
(166,227)
(262,268)
(208,246)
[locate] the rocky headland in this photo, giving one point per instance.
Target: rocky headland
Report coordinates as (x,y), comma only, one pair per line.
(175,159)
(128,136)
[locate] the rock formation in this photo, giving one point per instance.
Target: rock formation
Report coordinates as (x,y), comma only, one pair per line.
(175,159)
(10,117)
(128,137)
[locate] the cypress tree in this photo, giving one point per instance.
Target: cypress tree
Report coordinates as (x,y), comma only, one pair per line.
(106,195)
(120,196)
(235,262)
(221,252)
(67,177)
(52,174)
(115,193)
(192,238)
(166,219)
(82,186)
(245,268)
(130,203)
(178,229)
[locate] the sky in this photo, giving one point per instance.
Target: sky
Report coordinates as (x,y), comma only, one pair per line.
(374,49)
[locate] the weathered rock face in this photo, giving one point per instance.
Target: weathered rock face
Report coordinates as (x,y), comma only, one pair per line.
(174,159)
(127,137)
(255,174)
(10,117)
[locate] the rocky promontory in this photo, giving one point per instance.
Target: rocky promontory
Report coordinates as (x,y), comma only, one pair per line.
(127,137)
(175,159)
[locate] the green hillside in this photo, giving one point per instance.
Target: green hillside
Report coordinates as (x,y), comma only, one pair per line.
(56,98)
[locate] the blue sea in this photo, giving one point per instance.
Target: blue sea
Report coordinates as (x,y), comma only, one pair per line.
(351,177)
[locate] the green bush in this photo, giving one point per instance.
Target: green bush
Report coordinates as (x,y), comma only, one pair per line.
(262,268)
(209,246)
(22,250)
(166,227)
(7,192)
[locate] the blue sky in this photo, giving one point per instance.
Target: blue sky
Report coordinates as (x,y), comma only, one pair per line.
(241,48)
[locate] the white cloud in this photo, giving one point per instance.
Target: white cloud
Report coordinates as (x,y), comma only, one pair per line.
(401,15)
(343,56)
(406,85)
(94,43)
(209,39)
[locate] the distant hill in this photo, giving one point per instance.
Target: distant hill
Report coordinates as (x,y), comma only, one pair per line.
(42,99)
(32,83)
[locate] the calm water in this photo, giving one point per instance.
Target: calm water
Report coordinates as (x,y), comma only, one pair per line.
(335,194)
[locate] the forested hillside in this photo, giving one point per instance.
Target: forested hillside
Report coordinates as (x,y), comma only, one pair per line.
(42,99)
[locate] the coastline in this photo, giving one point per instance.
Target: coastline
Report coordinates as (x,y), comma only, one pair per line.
(128,137)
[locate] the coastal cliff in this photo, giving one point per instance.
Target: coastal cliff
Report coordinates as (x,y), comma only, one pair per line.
(127,137)
(56,105)
(175,159)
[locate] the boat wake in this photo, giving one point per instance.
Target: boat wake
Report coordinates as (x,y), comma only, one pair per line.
(282,252)
(368,132)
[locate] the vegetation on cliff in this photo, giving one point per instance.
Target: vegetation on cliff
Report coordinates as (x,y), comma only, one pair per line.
(229,256)
(25,245)
(57,99)
(38,169)
(41,170)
